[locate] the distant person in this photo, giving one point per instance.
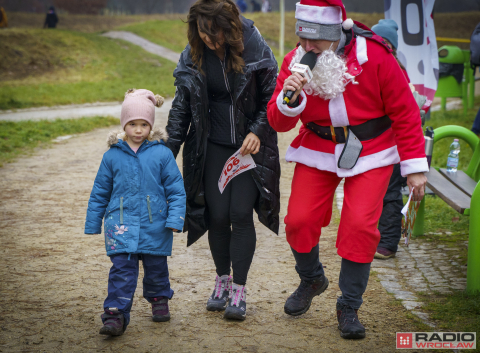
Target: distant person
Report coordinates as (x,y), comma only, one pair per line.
(3,18)
(215,117)
(51,20)
(139,194)
(255,6)
(390,223)
(475,62)
(266,6)
(242,5)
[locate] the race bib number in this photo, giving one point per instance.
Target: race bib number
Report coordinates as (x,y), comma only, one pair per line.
(235,165)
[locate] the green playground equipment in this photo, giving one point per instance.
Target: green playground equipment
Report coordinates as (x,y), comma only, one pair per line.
(448,86)
(473,171)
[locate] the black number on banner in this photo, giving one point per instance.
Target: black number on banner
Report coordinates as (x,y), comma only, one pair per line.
(412,39)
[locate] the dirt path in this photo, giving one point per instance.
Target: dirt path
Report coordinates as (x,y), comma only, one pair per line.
(54,278)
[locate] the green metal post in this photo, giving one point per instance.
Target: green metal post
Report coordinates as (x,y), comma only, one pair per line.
(419,221)
(473,261)
(444,103)
(471,96)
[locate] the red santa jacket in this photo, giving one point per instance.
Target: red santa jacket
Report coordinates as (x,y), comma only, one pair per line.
(381,90)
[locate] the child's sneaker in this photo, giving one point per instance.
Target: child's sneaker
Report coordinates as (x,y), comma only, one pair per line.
(113,322)
(160,312)
(237,304)
(218,299)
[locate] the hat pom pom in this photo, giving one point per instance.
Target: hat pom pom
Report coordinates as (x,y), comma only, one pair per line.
(159,100)
(347,24)
(131,90)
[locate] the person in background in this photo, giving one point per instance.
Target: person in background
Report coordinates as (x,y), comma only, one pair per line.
(255,6)
(242,5)
(266,6)
(3,18)
(390,223)
(476,124)
(52,19)
(225,78)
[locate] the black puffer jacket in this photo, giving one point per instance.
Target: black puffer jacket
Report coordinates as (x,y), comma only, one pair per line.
(188,122)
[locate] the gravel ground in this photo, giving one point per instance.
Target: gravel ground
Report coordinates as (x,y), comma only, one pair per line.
(54,278)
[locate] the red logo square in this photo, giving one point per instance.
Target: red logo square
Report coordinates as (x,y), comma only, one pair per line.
(299,29)
(404,340)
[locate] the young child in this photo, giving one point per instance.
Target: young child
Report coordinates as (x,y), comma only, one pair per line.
(140,191)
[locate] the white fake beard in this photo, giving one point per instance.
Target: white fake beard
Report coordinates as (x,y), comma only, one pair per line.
(330,75)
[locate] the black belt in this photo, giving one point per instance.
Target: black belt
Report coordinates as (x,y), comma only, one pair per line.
(366,131)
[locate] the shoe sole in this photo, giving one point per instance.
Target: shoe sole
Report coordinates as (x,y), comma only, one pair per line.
(162,318)
(234,315)
(109,332)
(303,311)
(382,257)
(215,307)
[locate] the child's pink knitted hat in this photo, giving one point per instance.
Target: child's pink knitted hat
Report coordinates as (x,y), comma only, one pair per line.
(140,104)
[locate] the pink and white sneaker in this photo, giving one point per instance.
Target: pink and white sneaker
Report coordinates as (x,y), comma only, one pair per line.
(218,299)
(237,304)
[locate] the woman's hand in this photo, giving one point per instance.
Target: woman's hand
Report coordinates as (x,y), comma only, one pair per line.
(175,230)
(294,82)
(418,182)
(251,144)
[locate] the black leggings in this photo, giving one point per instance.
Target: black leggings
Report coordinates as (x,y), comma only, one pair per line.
(231,233)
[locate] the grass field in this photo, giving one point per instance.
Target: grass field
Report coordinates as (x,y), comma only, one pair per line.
(52,67)
(73,64)
(17,138)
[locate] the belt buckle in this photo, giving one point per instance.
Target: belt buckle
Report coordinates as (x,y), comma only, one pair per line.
(334,137)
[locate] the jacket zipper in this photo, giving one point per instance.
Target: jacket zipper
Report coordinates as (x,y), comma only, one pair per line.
(232,118)
(149,209)
(121,210)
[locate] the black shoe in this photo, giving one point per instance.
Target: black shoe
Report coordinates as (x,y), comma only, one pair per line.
(348,323)
(299,302)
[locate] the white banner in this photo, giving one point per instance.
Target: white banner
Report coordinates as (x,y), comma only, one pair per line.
(417,43)
(235,165)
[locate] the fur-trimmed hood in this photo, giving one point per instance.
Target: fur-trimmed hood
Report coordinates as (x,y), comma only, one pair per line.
(157,134)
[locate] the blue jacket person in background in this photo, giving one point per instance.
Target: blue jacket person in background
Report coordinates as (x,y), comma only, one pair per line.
(140,195)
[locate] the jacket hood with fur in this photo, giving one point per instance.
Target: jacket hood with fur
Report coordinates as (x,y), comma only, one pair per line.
(157,134)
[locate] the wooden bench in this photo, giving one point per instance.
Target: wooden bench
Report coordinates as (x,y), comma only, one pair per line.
(461,191)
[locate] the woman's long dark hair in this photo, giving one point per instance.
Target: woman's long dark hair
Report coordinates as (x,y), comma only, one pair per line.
(223,16)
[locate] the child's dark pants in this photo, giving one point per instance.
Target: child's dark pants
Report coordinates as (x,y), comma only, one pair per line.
(123,277)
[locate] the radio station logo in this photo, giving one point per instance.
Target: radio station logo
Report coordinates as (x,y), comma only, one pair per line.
(436,340)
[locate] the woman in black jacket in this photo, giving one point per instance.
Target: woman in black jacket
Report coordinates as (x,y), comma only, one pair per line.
(225,78)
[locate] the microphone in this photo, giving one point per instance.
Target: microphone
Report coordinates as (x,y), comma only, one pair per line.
(304,68)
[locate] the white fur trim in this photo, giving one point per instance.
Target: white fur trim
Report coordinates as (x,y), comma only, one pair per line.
(362,50)
(414,165)
(347,24)
(324,15)
(329,162)
(338,111)
(291,112)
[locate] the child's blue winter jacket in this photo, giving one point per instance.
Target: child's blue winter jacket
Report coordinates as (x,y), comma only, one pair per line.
(141,196)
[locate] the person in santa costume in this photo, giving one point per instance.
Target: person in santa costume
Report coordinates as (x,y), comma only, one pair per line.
(359,118)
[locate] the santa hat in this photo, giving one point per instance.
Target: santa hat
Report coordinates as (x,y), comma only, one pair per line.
(321,19)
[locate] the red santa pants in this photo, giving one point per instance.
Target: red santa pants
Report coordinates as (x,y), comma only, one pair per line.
(310,209)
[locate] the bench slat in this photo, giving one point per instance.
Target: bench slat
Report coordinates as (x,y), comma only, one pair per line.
(442,187)
(461,180)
